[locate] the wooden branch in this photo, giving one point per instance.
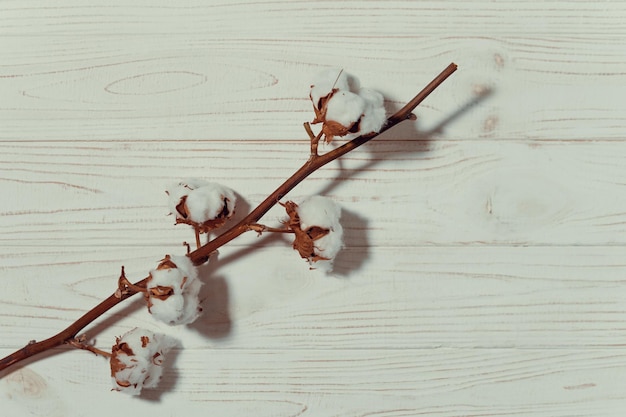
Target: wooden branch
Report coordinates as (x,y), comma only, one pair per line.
(201,255)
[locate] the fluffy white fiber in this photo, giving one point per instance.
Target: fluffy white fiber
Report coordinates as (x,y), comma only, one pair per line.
(202,201)
(137,360)
(327,80)
(325,213)
(345,107)
(182,305)
(347,103)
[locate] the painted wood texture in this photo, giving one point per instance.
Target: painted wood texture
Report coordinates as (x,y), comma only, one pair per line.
(484,271)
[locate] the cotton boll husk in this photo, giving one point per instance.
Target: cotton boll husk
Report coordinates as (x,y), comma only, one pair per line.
(319,211)
(207,202)
(345,108)
(137,359)
(180,189)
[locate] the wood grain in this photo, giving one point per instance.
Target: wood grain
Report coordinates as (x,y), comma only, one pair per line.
(444,192)
(89,71)
(484,268)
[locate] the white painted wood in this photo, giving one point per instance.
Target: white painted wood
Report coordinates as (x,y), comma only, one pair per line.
(484,273)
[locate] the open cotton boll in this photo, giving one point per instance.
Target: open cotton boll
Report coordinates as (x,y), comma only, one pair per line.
(345,108)
(137,360)
(178,192)
(326,248)
(201,204)
(343,112)
(320,235)
(323,212)
(172,291)
(375,115)
(324,84)
(209,202)
(319,211)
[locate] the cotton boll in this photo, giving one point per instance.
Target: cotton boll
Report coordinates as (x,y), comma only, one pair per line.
(343,113)
(137,360)
(374,116)
(201,204)
(327,247)
(345,108)
(327,81)
(180,190)
(209,202)
(325,213)
(172,291)
(319,211)
(318,217)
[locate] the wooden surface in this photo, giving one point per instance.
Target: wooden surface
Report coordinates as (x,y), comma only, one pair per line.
(485,270)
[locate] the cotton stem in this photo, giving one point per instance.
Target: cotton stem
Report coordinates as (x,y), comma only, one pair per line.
(201,255)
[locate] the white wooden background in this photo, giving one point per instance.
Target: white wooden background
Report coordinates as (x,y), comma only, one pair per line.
(485,271)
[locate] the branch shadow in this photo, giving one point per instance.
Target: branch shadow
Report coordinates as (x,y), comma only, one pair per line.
(410,140)
(168,381)
(354,236)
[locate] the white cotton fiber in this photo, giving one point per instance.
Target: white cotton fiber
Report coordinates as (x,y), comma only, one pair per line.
(345,108)
(375,115)
(319,211)
(322,212)
(181,189)
(326,81)
(358,111)
(198,201)
(181,283)
(209,202)
(137,360)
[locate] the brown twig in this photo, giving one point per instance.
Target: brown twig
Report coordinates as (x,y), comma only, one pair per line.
(78,343)
(201,255)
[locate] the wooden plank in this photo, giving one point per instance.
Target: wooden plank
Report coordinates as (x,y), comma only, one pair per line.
(381,298)
(394,193)
(182,72)
(484,270)
(362,382)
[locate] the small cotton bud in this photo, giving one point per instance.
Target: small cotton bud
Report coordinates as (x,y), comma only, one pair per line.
(172,291)
(137,360)
(202,204)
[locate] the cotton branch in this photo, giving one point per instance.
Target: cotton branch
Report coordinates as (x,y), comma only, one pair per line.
(315,162)
(201,255)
